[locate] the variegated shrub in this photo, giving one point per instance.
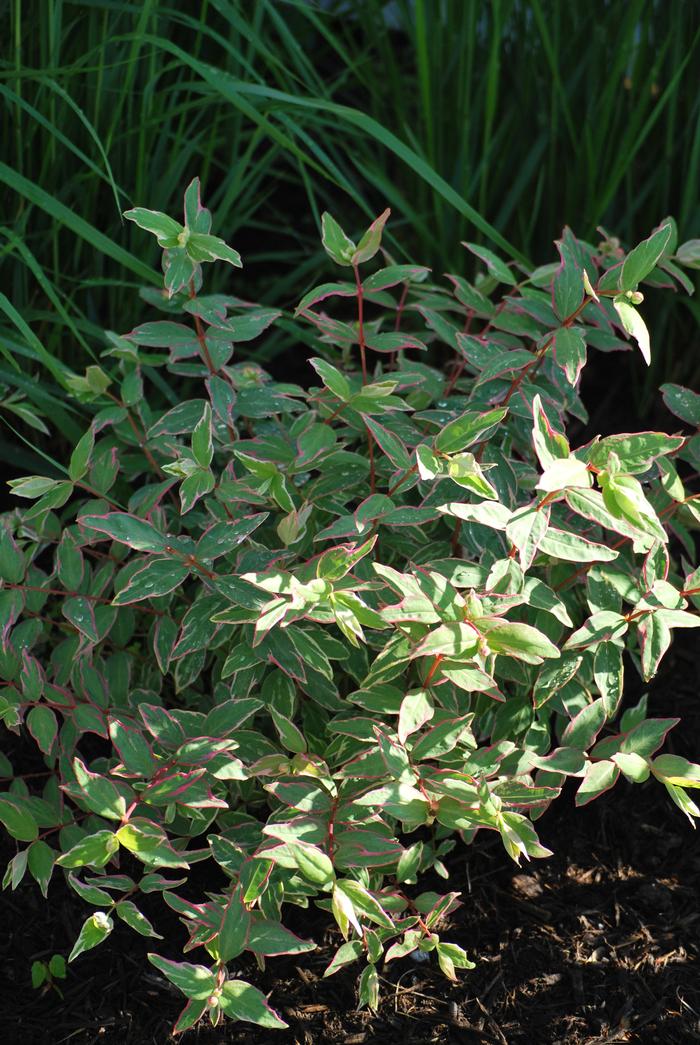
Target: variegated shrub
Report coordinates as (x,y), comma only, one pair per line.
(320,636)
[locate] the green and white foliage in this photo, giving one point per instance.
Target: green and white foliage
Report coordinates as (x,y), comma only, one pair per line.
(322,635)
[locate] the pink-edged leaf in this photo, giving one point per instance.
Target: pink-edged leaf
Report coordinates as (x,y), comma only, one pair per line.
(371,240)
(126,529)
(132,747)
(600,777)
(389,443)
(192,1012)
(585,726)
(647,737)
(162,725)
(392,275)
(197,217)
(158,576)
(149,842)
(365,848)
(270,938)
(326,290)
(196,981)
(101,795)
(394,341)
(241,1001)
(81,614)
(164,333)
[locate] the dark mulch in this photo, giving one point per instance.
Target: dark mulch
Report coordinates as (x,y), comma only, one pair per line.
(599,944)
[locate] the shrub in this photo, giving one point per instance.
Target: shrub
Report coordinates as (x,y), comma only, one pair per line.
(317,638)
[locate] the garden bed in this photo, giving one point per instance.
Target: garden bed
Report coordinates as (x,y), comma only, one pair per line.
(597,944)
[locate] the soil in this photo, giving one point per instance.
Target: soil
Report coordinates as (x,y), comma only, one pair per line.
(598,944)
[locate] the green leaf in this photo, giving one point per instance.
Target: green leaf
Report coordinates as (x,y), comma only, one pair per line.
(165,229)
(196,981)
(129,913)
(179,270)
(271,938)
(521,641)
(40,861)
(202,444)
(197,485)
(467,429)
(497,268)
(600,777)
(235,924)
(201,247)
(32,486)
(634,325)
(101,795)
(570,352)
(682,402)
(38,974)
(158,577)
(674,769)
(132,747)
(492,514)
(241,1001)
(391,275)
(332,378)
(442,737)
(567,286)
(80,458)
(43,725)
(81,613)
(339,247)
(371,241)
(647,736)
(624,496)
(640,261)
(95,930)
(684,802)
(608,674)
(409,863)
(549,444)
(456,640)
(526,528)
(368,988)
(633,766)
(389,443)
(655,640)
(57,967)
(346,953)
(364,903)
(688,254)
(564,473)
(399,799)
(314,865)
(291,737)
(95,850)
(465,470)
(572,548)
(451,956)
(17,818)
(429,465)
(126,529)
(190,1015)
(585,726)
(92,894)
(325,290)
(416,709)
(147,841)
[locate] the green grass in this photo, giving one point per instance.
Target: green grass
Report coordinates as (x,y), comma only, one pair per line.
(499,122)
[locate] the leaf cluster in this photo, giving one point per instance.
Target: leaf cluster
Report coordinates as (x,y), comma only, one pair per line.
(324,635)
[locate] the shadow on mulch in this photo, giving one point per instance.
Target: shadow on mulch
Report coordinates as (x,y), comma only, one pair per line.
(598,944)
